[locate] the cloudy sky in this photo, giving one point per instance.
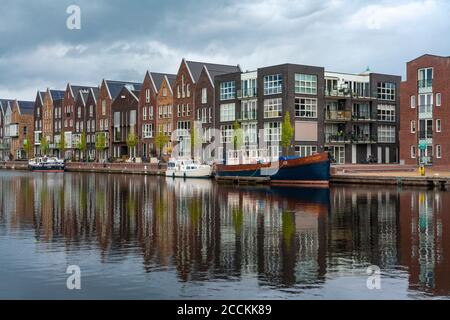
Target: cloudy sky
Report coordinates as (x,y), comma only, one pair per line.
(121,39)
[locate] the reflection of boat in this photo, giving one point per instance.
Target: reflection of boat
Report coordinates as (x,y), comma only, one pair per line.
(314,169)
(46,164)
(188,169)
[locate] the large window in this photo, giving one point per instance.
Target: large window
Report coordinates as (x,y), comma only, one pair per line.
(272,132)
(306,108)
(248,109)
(250,133)
(425,78)
(204,95)
(305,84)
(386,134)
(147,131)
(305,151)
(386,91)
(228,90)
(226,133)
(273,108)
(386,112)
(227,112)
(273,84)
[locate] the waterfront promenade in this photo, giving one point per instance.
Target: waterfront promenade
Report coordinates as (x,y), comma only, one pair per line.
(400,175)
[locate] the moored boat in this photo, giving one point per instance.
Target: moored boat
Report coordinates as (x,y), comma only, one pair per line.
(188,169)
(46,164)
(313,170)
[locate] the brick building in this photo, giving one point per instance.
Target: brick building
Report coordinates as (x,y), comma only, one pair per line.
(425,96)
(21,128)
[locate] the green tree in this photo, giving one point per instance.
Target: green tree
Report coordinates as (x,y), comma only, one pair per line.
(196,139)
(28,147)
(161,140)
(287,133)
(238,136)
(61,146)
(100,143)
(45,146)
(82,145)
(132,140)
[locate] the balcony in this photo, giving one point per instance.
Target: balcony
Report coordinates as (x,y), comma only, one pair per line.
(426,134)
(364,138)
(338,116)
(344,92)
(247,93)
(338,137)
(364,116)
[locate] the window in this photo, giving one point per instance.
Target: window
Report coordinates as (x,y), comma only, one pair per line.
(273,108)
(103,107)
(386,113)
(386,91)
(248,110)
(228,90)
(425,103)
(438,99)
(147,131)
(272,132)
(179,111)
(413,152)
(413,102)
(132,118)
(273,84)
(144,113)
(413,126)
(204,95)
(250,131)
(305,151)
(306,108)
(438,151)
(438,125)
(386,134)
(425,78)
(164,92)
(226,133)
(79,112)
(91,111)
(305,84)
(147,95)
(188,90)
(178,92)
(106,124)
(227,112)
(116,119)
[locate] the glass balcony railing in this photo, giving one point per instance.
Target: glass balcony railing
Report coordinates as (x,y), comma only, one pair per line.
(426,108)
(247,93)
(364,116)
(427,83)
(426,134)
(338,115)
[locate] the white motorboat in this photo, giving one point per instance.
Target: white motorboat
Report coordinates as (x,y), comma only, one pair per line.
(188,169)
(46,164)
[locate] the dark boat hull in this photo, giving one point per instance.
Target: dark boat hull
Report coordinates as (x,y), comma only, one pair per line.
(47,168)
(309,170)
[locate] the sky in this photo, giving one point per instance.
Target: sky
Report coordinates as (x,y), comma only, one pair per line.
(121,39)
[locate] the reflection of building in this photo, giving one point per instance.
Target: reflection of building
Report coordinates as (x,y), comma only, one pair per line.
(425,241)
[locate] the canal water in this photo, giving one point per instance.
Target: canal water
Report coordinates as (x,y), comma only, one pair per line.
(137,237)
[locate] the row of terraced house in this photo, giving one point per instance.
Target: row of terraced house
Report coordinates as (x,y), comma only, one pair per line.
(357,118)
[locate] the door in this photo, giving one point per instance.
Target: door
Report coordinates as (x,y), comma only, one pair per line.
(388,155)
(380,155)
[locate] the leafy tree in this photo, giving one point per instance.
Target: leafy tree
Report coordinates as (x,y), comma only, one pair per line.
(82,145)
(238,136)
(287,133)
(196,139)
(100,142)
(45,146)
(28,147)
(132,140)
(161,140)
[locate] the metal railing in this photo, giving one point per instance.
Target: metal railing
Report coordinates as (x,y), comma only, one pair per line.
(247,93)
(340,137)
(364,116)
(345,92)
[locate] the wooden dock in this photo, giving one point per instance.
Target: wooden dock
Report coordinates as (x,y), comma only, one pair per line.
(410,181)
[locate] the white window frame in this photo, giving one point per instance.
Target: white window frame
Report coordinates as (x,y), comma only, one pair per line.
(204,95)
(226,133)
(227,112)
(387,112)
(438,125)
(413,126)
(305,150)
(273,84)
(386,134)
(438,99)
(273,108)
(413,152)
(305,84)
(438,151)
(412,102)
(227,90)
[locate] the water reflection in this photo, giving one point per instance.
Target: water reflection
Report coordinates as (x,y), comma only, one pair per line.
(286,238)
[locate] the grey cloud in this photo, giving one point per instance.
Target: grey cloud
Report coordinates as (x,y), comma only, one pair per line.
(121,39)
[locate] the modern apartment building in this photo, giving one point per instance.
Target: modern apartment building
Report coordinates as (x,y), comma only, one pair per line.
(424,111)
(354,117)
(362,117)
